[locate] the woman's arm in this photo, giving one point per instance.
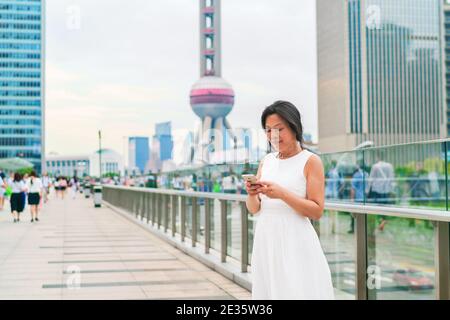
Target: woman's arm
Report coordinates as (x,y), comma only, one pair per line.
(253,201)
(311,207)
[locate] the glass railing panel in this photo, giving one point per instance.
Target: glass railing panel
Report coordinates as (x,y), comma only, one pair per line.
(168,212)
(344,176)
(400,258)
(201,211)
(336,234)
(410,176)
(178,215)
(234,223)
(189,217)
(252,220)
(215,224)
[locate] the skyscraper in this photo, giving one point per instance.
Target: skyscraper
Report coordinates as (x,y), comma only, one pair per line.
(211,97)
(138,153)
(446,39)
(22,85)
(163,132)
(379,72)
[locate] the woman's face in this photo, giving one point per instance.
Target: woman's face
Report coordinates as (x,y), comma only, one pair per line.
(279,133)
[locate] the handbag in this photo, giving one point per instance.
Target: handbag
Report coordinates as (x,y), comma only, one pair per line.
(8,191)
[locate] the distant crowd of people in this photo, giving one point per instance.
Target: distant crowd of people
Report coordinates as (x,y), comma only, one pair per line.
(33,190)
(381,186)
(224,183)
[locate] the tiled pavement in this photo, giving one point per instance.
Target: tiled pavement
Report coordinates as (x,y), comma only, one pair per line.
(77,251)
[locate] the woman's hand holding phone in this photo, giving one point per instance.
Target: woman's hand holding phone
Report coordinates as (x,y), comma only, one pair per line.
(253,189)
(252,185)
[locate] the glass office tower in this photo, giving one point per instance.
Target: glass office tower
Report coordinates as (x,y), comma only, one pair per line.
(22,80)
(163,133)
(446,28)
(138,153)
(381,67)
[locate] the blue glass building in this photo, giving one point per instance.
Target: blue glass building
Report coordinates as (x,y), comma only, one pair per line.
(163,133)
(139,151)
(381,69)
(22,80)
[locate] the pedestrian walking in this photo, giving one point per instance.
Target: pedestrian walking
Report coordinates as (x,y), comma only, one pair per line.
(2,190)
(34,188)
(73,187)
(17,196)
(45,187)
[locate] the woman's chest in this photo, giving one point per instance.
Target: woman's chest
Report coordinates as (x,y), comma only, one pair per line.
(286,175)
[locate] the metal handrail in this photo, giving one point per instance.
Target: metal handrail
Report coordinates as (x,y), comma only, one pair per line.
(410,213)
(392,211)
(130,199)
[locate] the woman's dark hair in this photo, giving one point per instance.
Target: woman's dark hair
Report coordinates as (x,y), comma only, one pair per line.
(33,174)
(289,113)
(17,177)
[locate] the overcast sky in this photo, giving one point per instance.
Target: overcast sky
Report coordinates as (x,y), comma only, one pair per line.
(122,66)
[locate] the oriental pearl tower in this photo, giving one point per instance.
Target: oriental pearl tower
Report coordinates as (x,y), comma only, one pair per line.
(211,97)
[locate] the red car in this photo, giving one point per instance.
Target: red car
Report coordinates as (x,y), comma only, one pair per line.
(413,279)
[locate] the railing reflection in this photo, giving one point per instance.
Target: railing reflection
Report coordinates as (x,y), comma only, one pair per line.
(411,175)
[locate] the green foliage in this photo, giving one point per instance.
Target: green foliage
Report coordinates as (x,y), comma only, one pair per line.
(405,171)
(25,171)
(429,165)
(110,175)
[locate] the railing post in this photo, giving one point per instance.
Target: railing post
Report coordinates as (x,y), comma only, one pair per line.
(244,237)
(135,203)
(223,230)
(159,213)
(166,212)
(207,225)
(442,260)
(138,204)
(123,198)
(194,220)
(143,194)
(147,207)
(141,205)
(361,255)
(183,218)
(174,201)
(132,201)
(154,207)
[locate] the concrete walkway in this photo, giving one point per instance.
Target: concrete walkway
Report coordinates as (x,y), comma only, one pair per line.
(77,251)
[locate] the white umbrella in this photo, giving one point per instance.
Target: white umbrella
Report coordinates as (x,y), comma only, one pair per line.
(12,164)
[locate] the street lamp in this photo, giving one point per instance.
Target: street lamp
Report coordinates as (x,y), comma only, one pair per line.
(235,149)
(100,152)
(125,161)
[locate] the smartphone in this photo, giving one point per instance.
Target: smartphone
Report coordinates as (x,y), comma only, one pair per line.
(250,178)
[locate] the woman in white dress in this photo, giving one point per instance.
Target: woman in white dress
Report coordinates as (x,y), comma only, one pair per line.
(288,261)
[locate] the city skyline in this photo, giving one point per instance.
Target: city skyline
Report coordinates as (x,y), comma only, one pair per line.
(123,85)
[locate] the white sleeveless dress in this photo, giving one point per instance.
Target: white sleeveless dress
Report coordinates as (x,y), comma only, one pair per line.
(287,260)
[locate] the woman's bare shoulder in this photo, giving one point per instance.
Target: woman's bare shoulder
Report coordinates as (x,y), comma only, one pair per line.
(314,164)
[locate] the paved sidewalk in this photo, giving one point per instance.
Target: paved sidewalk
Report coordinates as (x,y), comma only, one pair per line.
(77,251)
